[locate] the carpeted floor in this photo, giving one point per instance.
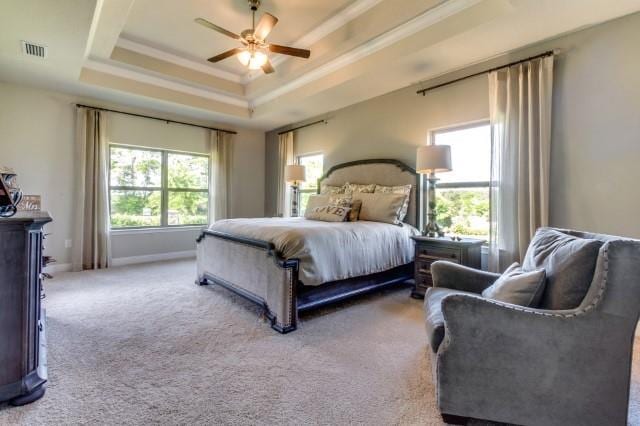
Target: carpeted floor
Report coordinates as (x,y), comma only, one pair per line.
(143,344)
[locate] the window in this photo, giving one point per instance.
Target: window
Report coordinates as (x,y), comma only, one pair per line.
(153,188)
(463,193)
(313,169)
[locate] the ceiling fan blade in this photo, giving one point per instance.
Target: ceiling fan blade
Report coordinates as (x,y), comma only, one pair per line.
(265,25)
(225,55)
(291,51)
(214,27)
(267,67)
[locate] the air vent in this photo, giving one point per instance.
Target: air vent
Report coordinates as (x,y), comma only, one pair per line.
(32,49)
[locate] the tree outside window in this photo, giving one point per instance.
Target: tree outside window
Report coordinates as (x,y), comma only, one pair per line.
(463,193)
(156,188)
(313,164)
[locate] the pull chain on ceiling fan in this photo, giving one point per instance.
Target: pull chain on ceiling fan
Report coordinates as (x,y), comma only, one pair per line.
(253,53)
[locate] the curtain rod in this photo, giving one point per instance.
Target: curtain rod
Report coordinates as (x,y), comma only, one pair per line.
(157,118)
(547,53)
(303,126)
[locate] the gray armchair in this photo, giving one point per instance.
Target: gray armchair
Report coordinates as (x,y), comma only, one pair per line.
(537,366)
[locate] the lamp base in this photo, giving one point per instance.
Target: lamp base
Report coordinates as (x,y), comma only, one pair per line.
(432,230)
(294,200)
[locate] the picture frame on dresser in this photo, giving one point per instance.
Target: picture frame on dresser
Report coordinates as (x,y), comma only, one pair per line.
(465,251)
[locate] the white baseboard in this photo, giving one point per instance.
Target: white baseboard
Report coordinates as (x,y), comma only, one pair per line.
(57,268)
(122,261)
(132,260)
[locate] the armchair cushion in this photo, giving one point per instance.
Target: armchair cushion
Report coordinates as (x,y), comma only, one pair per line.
(569,263)
(517,287)
(433,313)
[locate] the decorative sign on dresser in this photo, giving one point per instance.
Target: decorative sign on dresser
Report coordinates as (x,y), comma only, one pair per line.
(23,367)
(465,251)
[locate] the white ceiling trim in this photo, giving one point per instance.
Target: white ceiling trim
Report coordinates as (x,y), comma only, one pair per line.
(177,60)
(428,18)
(161,82)
(338,20)
(94,27)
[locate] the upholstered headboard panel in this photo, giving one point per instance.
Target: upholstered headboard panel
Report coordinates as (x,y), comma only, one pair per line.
(381,172)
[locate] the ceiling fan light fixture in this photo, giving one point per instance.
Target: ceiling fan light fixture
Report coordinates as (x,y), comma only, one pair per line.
(253,52)
(244,57)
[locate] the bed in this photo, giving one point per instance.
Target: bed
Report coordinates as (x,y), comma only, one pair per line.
(287,266)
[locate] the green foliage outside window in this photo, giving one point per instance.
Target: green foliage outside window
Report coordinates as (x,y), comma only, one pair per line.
(464,211)
(137,191)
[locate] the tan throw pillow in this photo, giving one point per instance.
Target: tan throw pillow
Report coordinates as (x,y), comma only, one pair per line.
(401,189)
(343,200)
(318,201)
(350,188)
(331,189)
(327,213)
(380,207)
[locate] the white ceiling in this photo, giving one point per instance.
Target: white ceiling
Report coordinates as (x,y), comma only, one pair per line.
(148,53)
(162,25)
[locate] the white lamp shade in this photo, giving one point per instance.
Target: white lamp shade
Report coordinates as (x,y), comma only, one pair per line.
(294,173)
(433,159)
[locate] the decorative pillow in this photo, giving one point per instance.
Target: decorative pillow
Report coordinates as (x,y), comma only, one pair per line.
(350,188)
(318,201)
(340,200)
(380,207)
(517,287)
(343,200)
(331,189)
(354,214)
(327,213)
(569,263)
(402,189)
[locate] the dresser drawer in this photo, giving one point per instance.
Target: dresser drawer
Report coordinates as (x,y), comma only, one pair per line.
(431,254)
(423,266)
(424,281)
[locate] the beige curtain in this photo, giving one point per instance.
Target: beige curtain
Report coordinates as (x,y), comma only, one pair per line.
(285,156)
(520,113)
(221,151)
(92,245)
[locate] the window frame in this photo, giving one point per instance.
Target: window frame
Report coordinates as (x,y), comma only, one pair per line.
(456,127)
(317,186)
(164,188)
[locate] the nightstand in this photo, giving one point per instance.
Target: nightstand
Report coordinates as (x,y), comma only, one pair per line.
(428,250)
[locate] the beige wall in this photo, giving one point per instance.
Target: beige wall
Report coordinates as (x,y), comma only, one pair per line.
(595,136)
(37,137)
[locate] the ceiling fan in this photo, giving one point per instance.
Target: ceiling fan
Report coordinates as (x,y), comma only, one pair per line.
(253,53)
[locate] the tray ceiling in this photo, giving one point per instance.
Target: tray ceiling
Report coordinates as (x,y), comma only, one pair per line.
(162,25)
(150,54)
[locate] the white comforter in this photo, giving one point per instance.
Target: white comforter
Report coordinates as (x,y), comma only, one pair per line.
(330,251)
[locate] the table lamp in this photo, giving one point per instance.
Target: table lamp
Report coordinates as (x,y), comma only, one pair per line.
(429,160)
(294,174)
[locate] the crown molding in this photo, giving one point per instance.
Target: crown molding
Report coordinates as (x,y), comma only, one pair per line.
(337,21)
(426,19)
(175,59)
(119,71)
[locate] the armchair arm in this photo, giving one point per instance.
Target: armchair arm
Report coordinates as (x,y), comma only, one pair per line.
(458,277)
(498,359)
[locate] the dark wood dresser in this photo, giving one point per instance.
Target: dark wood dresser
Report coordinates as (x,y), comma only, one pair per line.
(428,250)
(23,368)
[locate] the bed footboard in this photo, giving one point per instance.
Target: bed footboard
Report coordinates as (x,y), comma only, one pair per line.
(253,269)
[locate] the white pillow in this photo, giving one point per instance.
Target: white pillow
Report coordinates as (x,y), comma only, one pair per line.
(380,207)
(401,189)
(518,287)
